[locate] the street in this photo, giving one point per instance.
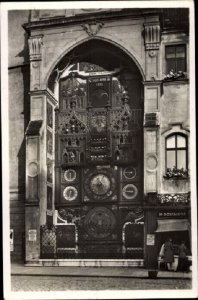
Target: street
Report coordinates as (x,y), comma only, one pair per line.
(63,283)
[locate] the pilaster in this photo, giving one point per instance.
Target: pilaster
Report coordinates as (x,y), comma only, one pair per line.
(152,39)
(39,169)
(152,93)
(35,54)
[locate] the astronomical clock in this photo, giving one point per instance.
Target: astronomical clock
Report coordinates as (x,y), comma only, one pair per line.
(98,169)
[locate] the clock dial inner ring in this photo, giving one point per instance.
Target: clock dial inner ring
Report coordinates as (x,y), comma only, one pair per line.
(100,184)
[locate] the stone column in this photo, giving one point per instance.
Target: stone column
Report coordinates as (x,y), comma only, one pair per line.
(34,137)
(39,169)
(32,226)
(152,94)
(151,135)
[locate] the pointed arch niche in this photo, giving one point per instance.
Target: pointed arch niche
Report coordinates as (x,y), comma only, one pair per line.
(96,55)
(98,128)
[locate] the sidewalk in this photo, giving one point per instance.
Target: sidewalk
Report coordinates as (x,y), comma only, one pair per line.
(126,272)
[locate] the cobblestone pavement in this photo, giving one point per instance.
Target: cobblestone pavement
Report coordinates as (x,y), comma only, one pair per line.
(54,283)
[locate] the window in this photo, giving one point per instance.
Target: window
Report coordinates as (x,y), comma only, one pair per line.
(175,58)
(176,152)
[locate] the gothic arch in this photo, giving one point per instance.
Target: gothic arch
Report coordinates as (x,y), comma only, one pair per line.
(130,55)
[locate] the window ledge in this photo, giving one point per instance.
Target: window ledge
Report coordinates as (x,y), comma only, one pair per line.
(175,178)
(175,81)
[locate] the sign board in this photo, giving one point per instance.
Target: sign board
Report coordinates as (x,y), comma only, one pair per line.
(11,240)
(32,235)
(150,240)
(172,214)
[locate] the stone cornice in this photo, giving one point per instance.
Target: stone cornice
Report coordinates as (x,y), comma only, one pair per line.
(47,93)
(96,16)
(152,82)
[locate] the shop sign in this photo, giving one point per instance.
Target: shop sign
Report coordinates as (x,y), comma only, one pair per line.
(11,240)
(172,214)
(150,240)
(32,235)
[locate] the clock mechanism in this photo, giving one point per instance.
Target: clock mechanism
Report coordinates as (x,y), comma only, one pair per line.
(99,184)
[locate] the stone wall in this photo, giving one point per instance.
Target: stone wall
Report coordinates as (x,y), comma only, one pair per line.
(18,119)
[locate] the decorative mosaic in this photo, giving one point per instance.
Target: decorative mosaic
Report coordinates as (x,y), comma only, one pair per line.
(174,198)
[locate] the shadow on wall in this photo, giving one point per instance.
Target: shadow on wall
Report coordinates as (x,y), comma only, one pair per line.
(25,70)
(24,53)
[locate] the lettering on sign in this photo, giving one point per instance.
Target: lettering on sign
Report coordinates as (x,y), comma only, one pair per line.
(32,235)
(150,240)
(176,214)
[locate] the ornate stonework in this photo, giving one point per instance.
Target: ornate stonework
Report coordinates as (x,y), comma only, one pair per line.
(92,28)
(152,36)
(35,47)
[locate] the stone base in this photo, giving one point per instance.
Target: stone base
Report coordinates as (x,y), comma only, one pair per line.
(86,263)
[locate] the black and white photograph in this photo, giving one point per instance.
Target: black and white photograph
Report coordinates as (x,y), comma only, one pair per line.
(98,150)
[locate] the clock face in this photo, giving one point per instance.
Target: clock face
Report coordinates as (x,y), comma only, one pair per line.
(70,193)
(99,222)
(70,175)
(129,191)
(129,173)
(100,184)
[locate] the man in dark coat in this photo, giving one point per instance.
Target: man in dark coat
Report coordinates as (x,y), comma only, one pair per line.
(168,254)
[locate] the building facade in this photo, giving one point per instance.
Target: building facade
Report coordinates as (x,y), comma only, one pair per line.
(99,135)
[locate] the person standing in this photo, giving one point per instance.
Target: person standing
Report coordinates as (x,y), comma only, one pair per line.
(183,260)
(168,254)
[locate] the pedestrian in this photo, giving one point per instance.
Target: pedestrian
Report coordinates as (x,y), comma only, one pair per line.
(168,254)
(161,256)
(183,259)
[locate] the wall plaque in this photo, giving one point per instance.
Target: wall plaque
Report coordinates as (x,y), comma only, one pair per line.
(150,239)
(32,235)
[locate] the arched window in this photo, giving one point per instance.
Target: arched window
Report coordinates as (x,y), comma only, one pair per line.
(176,151)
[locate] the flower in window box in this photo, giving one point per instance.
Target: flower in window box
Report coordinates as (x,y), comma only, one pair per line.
(175,76)
(175,173)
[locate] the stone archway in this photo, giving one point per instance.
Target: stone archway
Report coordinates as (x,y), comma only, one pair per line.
(98,148)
